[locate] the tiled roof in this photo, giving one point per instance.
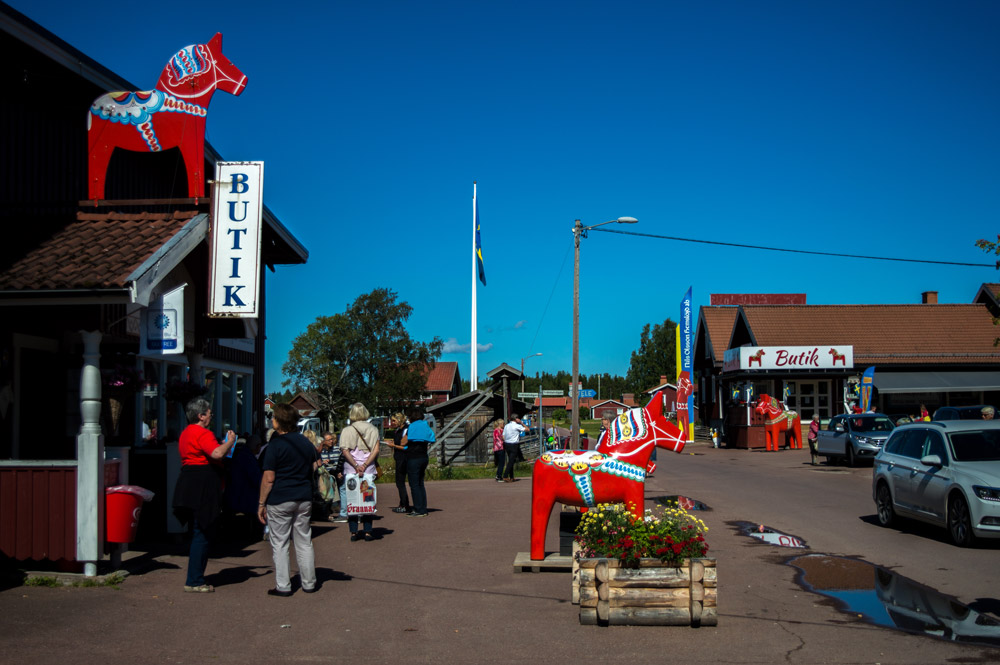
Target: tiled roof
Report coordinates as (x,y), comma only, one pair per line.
(992,288)
(442,377)
(719,327)
(97,251)
(882,334)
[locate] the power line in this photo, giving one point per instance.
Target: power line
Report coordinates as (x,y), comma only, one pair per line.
(796,251)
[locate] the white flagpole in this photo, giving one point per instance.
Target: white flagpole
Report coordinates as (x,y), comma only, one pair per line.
(475,269)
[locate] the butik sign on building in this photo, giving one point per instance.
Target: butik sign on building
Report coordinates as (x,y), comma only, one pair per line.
(236,223)
(747,358)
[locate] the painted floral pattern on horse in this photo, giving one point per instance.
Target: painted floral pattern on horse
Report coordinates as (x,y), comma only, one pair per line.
(615,473)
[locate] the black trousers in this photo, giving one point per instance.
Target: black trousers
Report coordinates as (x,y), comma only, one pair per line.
(512,451)
(404,500)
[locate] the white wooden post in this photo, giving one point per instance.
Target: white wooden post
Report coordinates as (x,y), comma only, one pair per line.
(90,459)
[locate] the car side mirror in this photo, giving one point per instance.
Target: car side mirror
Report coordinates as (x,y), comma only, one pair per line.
(839,427)
(931,460)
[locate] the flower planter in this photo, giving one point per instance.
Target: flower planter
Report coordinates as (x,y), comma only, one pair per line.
(654,594)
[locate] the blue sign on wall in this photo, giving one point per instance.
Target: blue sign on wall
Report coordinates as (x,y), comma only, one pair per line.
(588,393)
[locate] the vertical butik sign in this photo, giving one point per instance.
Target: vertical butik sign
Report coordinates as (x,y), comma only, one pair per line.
(236,219)
(685,387)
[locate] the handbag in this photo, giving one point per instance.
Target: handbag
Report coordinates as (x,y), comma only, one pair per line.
(378,470)
(325,484)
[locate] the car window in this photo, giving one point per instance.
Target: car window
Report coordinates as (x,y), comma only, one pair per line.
(934,445)
(877,424)
(832,425)
(982,446)
(912,444)
(892,445)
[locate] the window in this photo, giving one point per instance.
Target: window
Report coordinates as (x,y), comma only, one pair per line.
(934,445)
(913,443)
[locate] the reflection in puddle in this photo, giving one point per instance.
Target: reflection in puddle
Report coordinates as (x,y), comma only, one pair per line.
(886,599)
(768,535)
(682,501)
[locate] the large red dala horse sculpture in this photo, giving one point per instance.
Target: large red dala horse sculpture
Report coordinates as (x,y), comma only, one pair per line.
(780,426)
(171,115)
(614,473)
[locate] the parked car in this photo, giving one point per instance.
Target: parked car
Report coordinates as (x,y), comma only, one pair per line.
(961,412)
(851,437)
(944,473)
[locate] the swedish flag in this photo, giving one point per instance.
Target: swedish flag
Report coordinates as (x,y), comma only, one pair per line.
(479,244)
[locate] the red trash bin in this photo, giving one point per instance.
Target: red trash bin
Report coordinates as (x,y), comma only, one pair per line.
(123,504)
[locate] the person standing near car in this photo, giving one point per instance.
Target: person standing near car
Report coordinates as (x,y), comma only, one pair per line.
(286,500)
(512,445)
(812,436)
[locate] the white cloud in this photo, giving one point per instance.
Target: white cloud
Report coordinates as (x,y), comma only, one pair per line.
(451,345)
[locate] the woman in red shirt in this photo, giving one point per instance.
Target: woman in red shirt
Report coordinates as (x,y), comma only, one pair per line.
(198,493)
(498,457)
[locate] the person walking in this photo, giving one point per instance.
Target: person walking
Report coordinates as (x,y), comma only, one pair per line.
(812,436)
(286,500)
(198,492)
(359,443)
(512,445)
(498,454)
(398,421)
(418,436)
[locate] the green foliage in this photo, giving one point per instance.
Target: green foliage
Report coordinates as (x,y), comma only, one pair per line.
(655,357)
(584,412)
(559,414)
(362,355)
(113,580)
(670,535)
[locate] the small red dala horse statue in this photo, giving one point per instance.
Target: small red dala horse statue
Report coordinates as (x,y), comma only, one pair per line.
(781,425)
(614,473)
(171,115)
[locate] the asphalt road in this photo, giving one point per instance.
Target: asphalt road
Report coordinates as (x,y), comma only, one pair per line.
(442,588)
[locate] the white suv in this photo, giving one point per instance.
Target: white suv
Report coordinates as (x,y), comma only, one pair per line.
(945,473)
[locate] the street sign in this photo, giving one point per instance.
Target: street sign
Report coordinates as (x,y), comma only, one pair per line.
(588,393)
(552,393)
(527,395)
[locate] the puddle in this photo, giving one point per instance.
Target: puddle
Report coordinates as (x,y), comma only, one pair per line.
(768,535)
(684,502)
(883,598)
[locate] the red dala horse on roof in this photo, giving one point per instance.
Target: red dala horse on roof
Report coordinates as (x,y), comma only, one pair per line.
(171,115)
(614,473)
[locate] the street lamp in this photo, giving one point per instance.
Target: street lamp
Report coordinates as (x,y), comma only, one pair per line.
(522,368)
(581,231)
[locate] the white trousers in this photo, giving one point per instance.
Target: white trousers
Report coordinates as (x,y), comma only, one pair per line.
(291,520)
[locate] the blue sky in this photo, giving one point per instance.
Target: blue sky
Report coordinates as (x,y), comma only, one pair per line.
(856,127)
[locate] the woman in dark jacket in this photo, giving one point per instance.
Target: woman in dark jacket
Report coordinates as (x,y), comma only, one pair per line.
(198,493)
(399,457)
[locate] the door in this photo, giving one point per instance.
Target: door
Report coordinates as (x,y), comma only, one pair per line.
(904,468)
(929,484)
(830,441)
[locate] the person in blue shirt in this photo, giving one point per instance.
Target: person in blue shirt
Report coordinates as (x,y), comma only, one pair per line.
(415,441)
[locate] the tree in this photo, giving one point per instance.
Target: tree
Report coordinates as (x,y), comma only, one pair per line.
(655,357)
(362,355)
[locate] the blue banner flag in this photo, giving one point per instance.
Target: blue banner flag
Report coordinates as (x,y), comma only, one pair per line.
(867,381)
(479,243)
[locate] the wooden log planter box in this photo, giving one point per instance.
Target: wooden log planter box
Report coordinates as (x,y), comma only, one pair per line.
(654,594)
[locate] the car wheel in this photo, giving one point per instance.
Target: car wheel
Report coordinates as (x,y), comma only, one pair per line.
(850,455)
(883,505)
(959,522)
